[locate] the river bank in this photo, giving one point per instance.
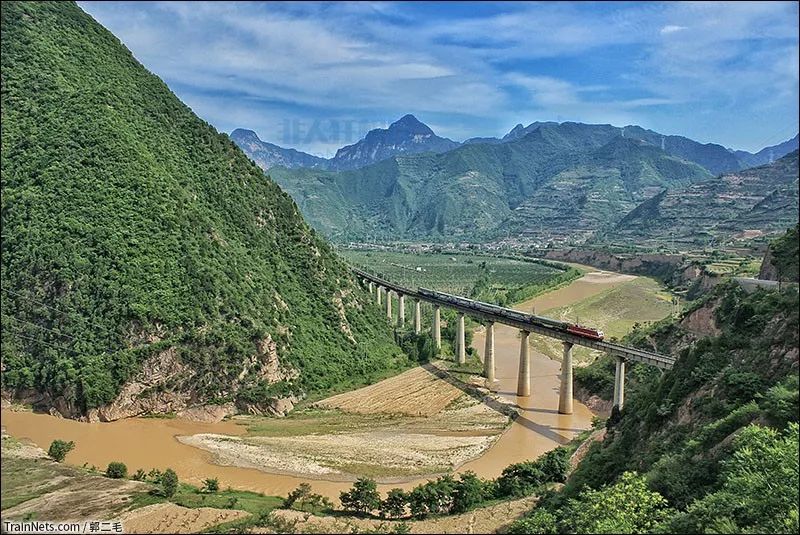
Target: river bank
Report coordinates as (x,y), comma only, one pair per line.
(476,435)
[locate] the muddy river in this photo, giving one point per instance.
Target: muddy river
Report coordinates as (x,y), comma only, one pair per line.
(150,442)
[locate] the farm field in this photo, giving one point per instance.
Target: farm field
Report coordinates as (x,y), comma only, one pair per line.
(452,273)
(614,311)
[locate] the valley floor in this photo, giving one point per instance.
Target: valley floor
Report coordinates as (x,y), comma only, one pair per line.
(421,422)
(34,487)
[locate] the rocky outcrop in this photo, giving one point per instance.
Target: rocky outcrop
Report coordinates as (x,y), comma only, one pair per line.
(166,385)
(702,321)
(768,271)
(657,265)
(161,386)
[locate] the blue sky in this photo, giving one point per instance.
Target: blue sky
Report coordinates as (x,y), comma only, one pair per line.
(316,76)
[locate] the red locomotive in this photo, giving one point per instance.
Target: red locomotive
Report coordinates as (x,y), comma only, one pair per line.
(586,332)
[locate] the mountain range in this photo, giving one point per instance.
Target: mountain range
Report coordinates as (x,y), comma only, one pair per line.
(546,181)
(410,136)
(558,180)
(753,201)
(405,136)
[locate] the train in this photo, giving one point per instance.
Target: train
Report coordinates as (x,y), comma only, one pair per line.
(572,328)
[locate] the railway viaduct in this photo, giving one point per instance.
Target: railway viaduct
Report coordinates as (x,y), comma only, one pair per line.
(491,314)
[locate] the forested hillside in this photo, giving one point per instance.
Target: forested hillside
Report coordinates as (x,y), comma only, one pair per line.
(708,447)
(139,243)
(564,179)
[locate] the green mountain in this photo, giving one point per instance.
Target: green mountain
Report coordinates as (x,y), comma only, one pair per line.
(143,253)
(761,200)
(559,179)
(707,447)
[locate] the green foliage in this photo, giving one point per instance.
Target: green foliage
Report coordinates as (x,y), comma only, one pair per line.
(59,448)
(522,479)
(394,506)
(540,521)
(759,492)
(627,506)
(131,227)
(139,475)
(116,470)
(210,485)
(169,482)
(469,492)
(785,255)
(685,430)
(363,497)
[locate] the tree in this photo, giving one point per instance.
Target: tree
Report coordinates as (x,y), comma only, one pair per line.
(520,479)
(301,493)
(363,497)
(394,505)
(211,485)
(540,521)
(469,491)
(116,470)
(554,465)
(627,506)
(59,449)
(759,492)
(169,482)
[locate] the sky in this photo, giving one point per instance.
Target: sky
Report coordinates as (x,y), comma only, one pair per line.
(316,76)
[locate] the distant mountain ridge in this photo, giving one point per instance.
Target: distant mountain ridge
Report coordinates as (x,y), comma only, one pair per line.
(756,200)
(268,155)
(408,135)
(567,179)
(405,136)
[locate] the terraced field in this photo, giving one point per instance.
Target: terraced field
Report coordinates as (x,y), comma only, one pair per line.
(453,273)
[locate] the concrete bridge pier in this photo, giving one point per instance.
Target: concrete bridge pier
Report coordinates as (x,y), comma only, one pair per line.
(488,355)
(619,383)
(524,380)
(437,327)
(417,317)
(461,350)
(378,294)
(401,309)
(389,304)
(565,393)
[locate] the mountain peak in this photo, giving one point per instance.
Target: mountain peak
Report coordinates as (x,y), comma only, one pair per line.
(410,123)
(244,134)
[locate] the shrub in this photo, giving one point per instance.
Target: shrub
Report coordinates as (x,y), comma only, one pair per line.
(554,465)
(300,493)
(169,482)
(116,470)
(139,475)
(211,485)
(363,497)
(469,492)
(59,449)
(520,479)
(394,505)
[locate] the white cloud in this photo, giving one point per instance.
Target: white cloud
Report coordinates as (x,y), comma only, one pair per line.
(672,28)
(381,59)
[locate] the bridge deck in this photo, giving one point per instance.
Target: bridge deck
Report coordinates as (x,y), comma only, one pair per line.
(507,316)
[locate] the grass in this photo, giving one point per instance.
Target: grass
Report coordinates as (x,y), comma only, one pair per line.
(615,311)
(26,479)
